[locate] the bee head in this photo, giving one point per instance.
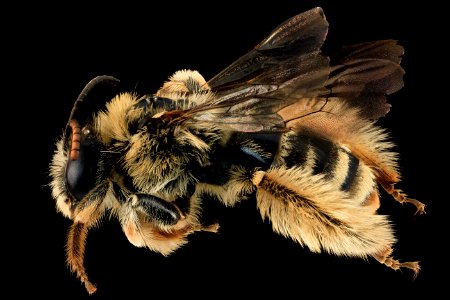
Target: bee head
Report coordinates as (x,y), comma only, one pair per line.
(77,163)
(83,161)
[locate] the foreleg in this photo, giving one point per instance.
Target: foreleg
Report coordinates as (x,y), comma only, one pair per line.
(160,225)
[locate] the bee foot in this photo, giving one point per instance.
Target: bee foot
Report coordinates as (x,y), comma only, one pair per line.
(211,228)
(91,288)
(420,207)
(385,258)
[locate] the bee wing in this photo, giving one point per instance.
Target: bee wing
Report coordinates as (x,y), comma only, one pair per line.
(288,51)
(288,68)
(280,70)
(363,74)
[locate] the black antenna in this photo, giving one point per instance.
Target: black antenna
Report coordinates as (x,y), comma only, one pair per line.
(102,79)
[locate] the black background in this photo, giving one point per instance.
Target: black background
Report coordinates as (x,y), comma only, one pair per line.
(55,50)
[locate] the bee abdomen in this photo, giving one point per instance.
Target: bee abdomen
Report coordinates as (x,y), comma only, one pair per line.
(311,211)
(321,156)
(351,173)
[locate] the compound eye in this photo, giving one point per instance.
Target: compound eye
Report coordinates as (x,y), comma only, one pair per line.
(81,167)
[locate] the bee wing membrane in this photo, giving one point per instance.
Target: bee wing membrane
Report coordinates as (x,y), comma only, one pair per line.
(295,38)
(285,67)
(363,74)
(288,68)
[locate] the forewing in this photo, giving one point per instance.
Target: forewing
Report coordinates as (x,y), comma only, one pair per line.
(285,67)
(288,68)
(298,36)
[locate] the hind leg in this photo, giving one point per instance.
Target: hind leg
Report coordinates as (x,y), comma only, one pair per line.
(385,258)
(402,198)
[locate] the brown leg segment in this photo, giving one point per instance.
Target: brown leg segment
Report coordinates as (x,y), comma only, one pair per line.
(386,258)
(402,198)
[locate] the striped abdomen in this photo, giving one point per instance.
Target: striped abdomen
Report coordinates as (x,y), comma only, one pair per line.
(334,162)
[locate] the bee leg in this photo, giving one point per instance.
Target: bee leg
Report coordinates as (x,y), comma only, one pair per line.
(168,213)
(90,208)
(402,198)
(162,226)
(152,222)
(158,209)
(189,207)
(385,257)
(210,228)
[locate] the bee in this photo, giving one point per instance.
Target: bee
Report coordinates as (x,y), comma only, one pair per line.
(285,123)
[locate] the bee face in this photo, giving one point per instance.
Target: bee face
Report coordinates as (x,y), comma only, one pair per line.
(77,164)
(82,166)
(285,123)
(76,169)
